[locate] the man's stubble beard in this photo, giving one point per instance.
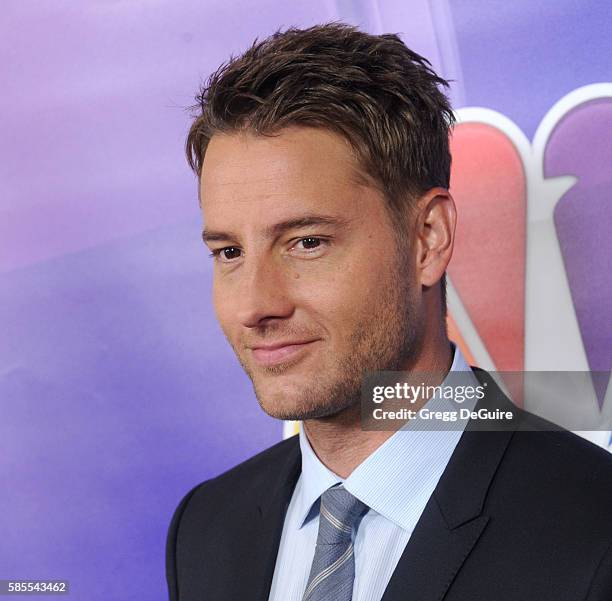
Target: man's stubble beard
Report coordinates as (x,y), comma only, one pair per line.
(385,339)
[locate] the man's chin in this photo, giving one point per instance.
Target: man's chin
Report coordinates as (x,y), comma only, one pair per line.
(284,408)
(299,414)
(298,408)
(300,396)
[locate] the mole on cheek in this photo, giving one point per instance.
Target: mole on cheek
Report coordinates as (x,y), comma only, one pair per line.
(296,276)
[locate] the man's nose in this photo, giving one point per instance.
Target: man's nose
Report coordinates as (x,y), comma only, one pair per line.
(264,291)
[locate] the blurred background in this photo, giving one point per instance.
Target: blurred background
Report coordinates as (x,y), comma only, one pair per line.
(118,391)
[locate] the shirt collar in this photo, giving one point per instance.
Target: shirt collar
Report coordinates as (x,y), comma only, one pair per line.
(315,479)
(398,476)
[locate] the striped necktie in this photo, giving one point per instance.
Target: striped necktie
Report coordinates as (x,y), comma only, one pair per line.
(333,567)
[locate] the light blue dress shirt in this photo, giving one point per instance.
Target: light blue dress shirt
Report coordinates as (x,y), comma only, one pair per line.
(395,482)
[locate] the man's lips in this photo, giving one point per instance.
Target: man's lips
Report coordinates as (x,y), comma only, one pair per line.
(271,354)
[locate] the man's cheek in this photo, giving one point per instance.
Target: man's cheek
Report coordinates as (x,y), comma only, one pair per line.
(225,314)
(219,314)
(340,303)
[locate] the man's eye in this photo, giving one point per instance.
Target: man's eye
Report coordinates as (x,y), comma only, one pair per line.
(310,243)
(226,254)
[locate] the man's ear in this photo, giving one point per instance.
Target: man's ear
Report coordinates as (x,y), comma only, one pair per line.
(435,234)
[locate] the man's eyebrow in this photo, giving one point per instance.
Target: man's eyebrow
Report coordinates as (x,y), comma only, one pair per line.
(305,221)
(214,236)
(281,227)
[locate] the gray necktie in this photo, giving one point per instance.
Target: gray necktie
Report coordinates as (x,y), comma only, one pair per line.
(333,567)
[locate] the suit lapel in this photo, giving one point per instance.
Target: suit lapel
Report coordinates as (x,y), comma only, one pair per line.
(453,519)
(262,544)
(432,557)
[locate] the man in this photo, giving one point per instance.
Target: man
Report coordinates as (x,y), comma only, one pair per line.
(324,172)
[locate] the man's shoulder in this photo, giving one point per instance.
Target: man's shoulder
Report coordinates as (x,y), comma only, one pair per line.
(537,438)
(559,466)
(223,507)
(543,452)
(249,480)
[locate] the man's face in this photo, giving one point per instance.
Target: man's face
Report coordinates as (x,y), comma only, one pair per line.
(308,286)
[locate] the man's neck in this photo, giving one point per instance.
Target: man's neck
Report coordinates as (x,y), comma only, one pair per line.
(342,444)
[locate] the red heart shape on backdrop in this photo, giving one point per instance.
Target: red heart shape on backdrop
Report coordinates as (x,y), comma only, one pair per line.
(487,270)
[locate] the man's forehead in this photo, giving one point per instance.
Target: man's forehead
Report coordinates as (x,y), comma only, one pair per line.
(294,157)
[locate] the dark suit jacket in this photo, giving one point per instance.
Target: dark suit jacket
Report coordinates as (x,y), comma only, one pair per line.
(517,515)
